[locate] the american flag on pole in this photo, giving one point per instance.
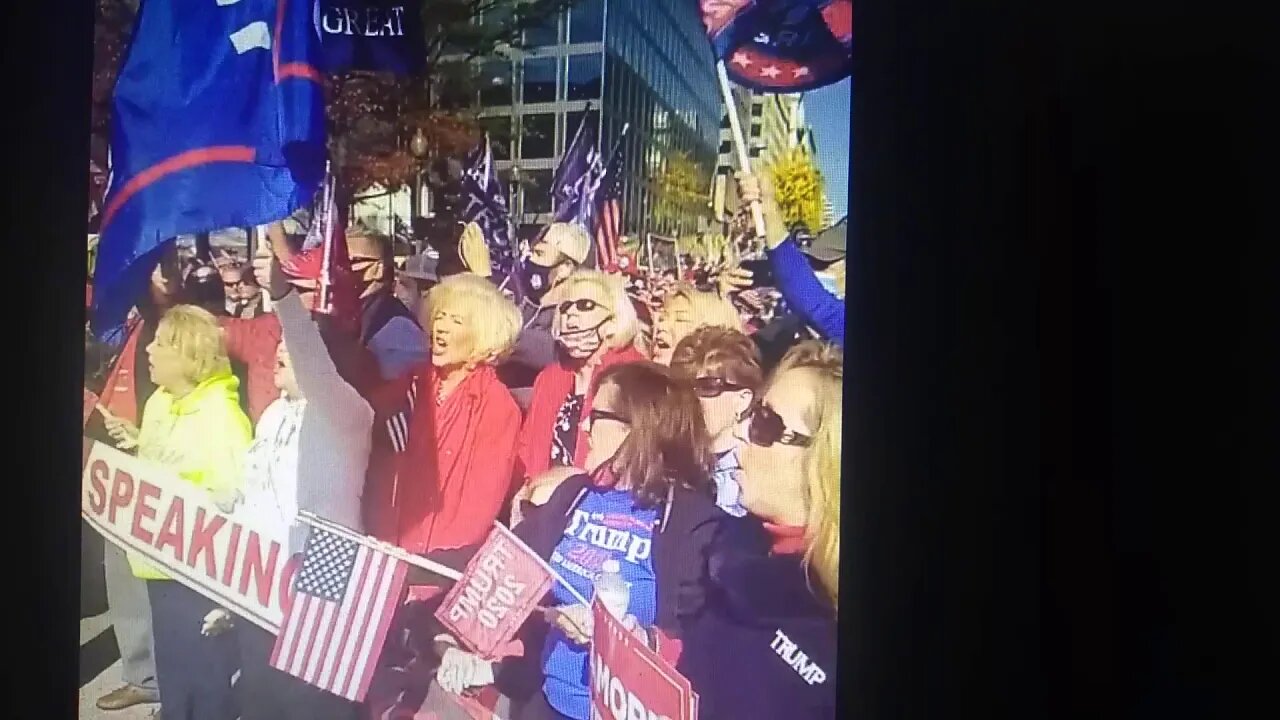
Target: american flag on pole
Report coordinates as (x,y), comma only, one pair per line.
(345,596)
(609,221)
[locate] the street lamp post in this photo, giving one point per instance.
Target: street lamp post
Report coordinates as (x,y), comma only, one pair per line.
(417,148)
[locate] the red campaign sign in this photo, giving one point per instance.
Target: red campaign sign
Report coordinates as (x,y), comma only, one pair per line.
(499,589)
(628,680)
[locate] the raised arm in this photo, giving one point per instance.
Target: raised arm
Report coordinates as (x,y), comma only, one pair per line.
(803,293)
(315,370)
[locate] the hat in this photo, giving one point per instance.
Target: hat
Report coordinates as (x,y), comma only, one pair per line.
(422,267)
(570,239)
(828,246)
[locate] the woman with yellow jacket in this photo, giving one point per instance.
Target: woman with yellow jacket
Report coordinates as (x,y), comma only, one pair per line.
(192,425)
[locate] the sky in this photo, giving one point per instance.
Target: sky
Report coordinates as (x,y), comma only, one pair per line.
(827,112)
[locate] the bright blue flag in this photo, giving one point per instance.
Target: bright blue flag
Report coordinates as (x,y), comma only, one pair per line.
(781,46)
(217,121)
(577,179)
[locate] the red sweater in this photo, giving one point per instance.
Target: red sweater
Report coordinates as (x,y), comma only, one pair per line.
(253,342)
(550,389)
(453,477)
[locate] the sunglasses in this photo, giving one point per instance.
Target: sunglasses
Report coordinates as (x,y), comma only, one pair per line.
(765,427)
(582,305)
(597,415)
(709,387)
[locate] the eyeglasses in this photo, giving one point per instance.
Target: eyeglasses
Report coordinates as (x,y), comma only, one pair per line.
(582,305)
(709,387)
(597,415)
(765,427)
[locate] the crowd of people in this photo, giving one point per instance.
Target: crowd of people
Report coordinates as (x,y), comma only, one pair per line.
(699,416)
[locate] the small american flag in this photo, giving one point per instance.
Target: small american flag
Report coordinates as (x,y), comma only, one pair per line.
(609,226)
(345,596)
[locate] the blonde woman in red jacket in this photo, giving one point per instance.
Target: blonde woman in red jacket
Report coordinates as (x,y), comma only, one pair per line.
(595,327)
(459,440)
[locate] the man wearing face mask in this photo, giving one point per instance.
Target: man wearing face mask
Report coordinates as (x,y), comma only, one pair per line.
(560,251)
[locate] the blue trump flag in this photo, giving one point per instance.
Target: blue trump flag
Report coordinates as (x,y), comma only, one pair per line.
(486,205)
(577,179)
(217,121)
(781,46)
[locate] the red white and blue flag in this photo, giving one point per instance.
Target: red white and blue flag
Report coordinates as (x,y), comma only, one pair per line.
(781,46)
(344,598)
(609,217)
(217,121)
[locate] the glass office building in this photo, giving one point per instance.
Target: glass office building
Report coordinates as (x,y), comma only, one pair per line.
(610,63)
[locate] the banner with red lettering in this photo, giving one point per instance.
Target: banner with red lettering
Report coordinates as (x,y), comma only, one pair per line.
(628,680)
(146,509)
(499,589)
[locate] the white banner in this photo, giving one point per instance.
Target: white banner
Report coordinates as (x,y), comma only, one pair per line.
(149,510)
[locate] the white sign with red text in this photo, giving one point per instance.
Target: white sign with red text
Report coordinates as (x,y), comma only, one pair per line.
(149,510)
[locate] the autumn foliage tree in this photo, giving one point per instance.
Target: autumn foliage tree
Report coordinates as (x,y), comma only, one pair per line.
(798,188)
(680,193)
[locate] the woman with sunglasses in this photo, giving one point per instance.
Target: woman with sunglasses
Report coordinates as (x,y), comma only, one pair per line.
(723,368)
(771,616)
(595,327)
(644,502)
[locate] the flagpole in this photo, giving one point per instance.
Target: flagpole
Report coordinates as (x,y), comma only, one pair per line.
(316,521)
(617,144)
(739,142)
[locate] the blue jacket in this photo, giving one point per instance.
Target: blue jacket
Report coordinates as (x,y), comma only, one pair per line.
(763,645)
(805,295)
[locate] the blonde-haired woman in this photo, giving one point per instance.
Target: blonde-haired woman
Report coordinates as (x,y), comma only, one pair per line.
(685,309)
(192,425)
(771,616)
(455,471)
(595,327)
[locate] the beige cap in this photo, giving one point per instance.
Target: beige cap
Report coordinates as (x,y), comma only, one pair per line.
(569,239)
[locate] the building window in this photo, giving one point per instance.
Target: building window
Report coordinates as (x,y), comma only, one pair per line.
(540,80)
(495,83)
(499,132)
(586,21)
(583,80)
(757,110)
(537,191)
(725,147)
(543,34)
(538,136)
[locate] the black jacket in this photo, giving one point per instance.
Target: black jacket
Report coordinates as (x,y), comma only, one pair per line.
(763,645)
(687,528)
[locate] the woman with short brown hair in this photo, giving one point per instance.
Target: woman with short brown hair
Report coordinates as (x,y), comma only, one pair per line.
(723,368)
